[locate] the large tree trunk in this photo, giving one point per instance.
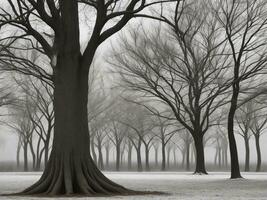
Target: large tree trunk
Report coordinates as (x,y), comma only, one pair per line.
(200,159)
(235,170)
(70,169)
(257,141)
(247,154)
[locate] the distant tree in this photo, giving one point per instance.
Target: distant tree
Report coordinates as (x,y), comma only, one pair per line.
(259,121)
(243,119)
(180,65)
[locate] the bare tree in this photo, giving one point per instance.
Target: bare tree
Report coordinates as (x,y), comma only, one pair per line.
(52,28)
(244,24)
(182,65)
(259,121)
(244,121)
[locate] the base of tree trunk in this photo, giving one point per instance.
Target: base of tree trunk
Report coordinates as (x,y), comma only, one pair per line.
(80,178)
(200,173)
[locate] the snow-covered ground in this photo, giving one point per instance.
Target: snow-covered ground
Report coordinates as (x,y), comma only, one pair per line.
(178,185)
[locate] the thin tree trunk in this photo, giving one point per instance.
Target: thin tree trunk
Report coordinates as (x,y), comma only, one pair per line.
(18,153)
(129,157)
(100,157)
(163,152)
(25,153)
(174,156)
(92,145)
(147,157)
(156,156)
(216,157)
(257,141)
(107,156)
(187,156)
(235,170)
(168,157)
(247,152)
(220,157)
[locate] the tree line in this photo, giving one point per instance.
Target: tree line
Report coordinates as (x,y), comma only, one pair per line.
(196,73)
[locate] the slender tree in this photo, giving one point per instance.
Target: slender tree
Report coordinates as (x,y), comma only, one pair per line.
(244,24)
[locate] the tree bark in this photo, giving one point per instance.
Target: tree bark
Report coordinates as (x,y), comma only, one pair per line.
(118,154)
(247,152)
(235,170)
(18,153)
(163,152)
(147,157)
(200,159)
(70,169)
(156,156)
(129,156)
(25,153)
(107,156)
(257,141)
(100,158)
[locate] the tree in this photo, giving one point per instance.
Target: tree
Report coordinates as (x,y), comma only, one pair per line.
(259,121)
(52,28)
(244,24)
(244,121)
(181,66)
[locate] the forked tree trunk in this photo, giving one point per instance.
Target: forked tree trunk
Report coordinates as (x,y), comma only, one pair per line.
(257,141)
(70,169)
(200,159)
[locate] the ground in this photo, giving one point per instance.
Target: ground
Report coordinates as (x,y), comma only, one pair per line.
(180,185)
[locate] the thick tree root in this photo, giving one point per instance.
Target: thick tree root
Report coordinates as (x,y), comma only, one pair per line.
(76,177)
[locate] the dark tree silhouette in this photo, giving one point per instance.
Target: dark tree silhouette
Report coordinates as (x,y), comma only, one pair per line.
(52,28)
(244,24)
